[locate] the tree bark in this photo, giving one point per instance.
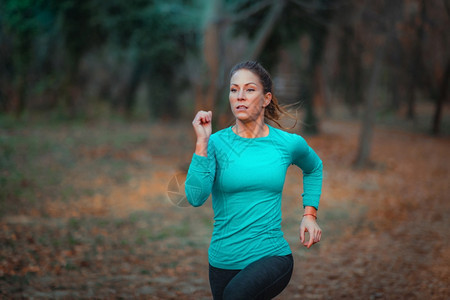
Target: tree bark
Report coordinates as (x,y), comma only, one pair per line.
(20,98)
(211,51)
(311,87)
(442,94)
(368,121)
(131,89)
(415,64)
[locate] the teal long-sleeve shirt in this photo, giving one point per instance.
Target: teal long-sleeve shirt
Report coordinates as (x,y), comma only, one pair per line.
(245,177)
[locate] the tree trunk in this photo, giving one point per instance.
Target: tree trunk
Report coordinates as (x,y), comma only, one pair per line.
(351,69)
(211,52)
(317,38)
(131,89)
(325,93)
(368,121)
(415,64)
(394,89)
(266,30)
(411,96)
(442,94)
(20,98)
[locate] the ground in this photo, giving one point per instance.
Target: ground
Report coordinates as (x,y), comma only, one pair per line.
(85,213)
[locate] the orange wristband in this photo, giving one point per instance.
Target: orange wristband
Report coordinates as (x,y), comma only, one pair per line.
(311,215)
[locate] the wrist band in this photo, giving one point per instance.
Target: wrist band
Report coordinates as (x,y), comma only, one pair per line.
(311,215)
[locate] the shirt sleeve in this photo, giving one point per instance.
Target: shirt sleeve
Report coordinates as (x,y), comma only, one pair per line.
(309,162)
(200,177)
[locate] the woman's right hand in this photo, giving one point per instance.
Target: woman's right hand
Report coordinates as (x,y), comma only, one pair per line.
(202,127)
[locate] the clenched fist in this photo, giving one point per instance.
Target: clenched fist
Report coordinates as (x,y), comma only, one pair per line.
(203,129)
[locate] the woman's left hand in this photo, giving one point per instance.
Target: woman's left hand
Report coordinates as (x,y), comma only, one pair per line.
(310,225)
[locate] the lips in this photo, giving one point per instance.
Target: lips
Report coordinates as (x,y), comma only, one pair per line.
(241,107)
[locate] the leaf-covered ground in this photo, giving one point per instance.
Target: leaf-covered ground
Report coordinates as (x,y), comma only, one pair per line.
(84,213)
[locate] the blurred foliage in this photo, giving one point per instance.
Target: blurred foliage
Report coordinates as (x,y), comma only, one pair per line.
(68,56)
(158,35)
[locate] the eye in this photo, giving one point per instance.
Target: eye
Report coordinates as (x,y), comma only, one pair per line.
(250,90)
(233,90)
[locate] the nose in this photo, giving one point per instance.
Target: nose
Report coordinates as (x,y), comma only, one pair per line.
(241,95)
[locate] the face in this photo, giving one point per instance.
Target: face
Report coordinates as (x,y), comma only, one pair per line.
(247,98)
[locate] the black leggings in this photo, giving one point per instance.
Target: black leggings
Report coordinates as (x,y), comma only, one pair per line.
(262,279)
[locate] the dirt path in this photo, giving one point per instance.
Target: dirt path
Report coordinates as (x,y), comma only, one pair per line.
(91,219)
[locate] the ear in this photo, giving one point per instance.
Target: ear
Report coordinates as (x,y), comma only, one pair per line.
(267,99)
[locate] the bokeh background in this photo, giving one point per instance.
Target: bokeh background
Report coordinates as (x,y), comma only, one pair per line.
(96,101)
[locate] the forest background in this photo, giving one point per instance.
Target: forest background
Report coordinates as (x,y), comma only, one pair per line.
(96,100)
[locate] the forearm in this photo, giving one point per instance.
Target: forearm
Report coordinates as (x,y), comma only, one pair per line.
(312,187)
(199,179)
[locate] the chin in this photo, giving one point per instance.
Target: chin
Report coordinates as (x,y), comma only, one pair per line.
(245,117)
(241,116)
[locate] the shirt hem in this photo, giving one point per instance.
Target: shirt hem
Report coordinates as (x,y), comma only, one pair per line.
(240,266)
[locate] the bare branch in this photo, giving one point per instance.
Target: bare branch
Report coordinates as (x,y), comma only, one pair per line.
(260,5)
(266,29)
(308,6)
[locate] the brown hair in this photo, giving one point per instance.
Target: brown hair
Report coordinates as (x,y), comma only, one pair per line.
(274,110)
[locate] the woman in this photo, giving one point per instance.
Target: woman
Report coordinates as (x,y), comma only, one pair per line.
(244,167)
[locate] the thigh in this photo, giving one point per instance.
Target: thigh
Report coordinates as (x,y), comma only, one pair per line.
(262,279)
(218,280)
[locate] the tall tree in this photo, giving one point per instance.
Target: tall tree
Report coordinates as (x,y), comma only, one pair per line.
(213,52)
(415,64)
(317,32)
(152,38)
(19,24)
(440,97)
(265,30)
(368,120)
(79,35)
(436,68)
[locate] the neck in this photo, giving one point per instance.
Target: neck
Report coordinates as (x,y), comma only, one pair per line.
(253,129)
